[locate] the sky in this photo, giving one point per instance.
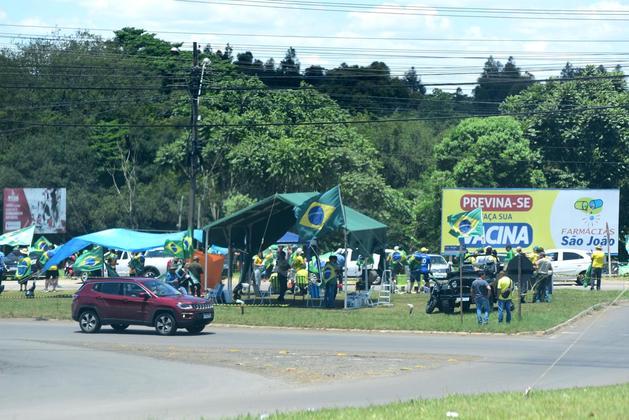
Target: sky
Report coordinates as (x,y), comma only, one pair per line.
(446,49)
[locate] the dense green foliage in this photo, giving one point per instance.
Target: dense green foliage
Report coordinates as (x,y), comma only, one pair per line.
(110,121)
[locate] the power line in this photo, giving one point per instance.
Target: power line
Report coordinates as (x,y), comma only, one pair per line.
(524,14)
(344,37)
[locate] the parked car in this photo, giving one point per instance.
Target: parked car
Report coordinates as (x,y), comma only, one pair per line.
(569,262)
(439,266)
(121,302)
(352,262)
(155,263)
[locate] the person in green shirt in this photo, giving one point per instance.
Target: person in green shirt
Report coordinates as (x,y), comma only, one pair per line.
(509,255)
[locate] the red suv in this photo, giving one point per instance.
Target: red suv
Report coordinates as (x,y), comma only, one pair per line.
(121,302)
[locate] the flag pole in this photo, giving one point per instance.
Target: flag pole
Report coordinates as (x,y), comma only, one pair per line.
(461,277)
(345,250)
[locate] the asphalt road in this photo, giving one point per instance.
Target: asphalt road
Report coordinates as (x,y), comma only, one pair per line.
(48,369)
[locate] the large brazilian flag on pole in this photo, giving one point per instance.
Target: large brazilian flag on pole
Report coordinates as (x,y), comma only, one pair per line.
(322,214)
(467,224)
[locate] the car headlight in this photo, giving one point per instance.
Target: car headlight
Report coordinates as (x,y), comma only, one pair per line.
(181,305)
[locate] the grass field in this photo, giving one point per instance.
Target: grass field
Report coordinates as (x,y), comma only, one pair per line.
(608,402)
(536,317)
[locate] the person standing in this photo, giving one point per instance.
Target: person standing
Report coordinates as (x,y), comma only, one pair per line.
(598,261)
(544,278)
(509,255)
(414,266)
(282,272)
(505,288)
(330,279)
(481,291)
(425,265)
(196,271)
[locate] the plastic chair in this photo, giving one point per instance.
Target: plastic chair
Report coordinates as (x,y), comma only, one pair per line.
(315,295)
(265,292)
(215,295)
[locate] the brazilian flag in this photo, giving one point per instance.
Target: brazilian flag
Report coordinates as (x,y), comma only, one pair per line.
(174,249)
(324,213)
(89,260)
(41,245)
(467,224)
(187,244)
(24,268)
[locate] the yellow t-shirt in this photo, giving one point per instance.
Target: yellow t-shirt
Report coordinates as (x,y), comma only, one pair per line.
(503,284)
(598,259)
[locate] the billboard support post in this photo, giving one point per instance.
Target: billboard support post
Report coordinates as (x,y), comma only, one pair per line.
(519,287)
(461,256)
(609,254)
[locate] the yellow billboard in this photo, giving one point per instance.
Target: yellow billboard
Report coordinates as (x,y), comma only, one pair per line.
(535,217)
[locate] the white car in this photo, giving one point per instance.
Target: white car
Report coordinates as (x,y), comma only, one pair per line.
(352,262)
(439,266)
(569,262)
(155,263)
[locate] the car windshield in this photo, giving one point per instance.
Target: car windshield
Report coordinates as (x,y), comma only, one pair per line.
(438,259)
(161,289)
(154,253)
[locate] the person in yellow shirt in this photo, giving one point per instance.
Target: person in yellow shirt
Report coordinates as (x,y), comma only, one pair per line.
(505,290)
(598,260)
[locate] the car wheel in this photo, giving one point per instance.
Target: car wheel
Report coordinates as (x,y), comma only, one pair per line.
(89,322)
(165,324)
(196,329)
(119,327)
(446,307)
(151,272)
(431,305)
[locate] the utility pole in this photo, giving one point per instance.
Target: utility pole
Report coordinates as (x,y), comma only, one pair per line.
(195,85)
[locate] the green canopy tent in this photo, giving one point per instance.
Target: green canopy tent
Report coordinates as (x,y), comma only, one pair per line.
(258,226)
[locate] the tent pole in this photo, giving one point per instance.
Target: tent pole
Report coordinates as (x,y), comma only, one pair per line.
(229,261)
(205,257)
(345,268)
(345,250)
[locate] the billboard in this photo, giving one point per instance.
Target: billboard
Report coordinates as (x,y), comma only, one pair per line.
(535,217)
(44,207)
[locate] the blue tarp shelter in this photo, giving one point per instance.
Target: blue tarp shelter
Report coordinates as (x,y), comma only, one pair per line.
(120,239)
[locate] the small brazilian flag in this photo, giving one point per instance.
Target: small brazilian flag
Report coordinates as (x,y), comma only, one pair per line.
(91,260)
(41,245)
(467,224)
(321,214)
(174,249)
(187,244)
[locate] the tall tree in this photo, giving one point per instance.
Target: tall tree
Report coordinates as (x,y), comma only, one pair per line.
(497,82)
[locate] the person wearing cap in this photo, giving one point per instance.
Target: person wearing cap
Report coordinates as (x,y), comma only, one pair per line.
(598,261)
